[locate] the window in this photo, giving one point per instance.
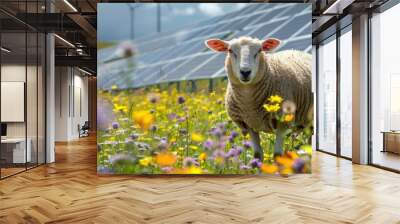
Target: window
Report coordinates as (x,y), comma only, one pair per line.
(327,95)
(385,89)
(22,77)
(346,92)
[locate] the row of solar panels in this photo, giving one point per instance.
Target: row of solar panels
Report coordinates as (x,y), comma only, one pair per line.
(190,60)
(236,20)
(252,15)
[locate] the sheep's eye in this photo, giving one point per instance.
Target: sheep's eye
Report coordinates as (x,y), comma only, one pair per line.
(233,53)
(259,51)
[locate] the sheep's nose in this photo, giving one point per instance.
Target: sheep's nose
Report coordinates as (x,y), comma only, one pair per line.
(245,73)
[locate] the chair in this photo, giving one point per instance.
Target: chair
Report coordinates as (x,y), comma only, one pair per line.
(84,130)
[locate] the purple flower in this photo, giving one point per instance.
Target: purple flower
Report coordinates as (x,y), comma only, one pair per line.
(247,144)
(163,145)
(153,128)
(208,144)
(182,119)
(298,165)
(245,167)
(167,169)
(221,125)
(104,170)
(189,161)
(181,100)
(115,125)
(233,135)
(234,152)
(121,159)
(133,136)
(104,114)
(219,153)
(216,132)
(172,116)
(255,163)
(221,144)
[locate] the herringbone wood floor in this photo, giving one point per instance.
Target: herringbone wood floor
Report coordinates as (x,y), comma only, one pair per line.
(69,191)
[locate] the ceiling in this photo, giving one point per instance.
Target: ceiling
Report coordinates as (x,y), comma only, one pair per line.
(76,22)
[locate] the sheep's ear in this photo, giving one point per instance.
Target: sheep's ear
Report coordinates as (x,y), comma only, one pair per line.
(270,44)
(217,45)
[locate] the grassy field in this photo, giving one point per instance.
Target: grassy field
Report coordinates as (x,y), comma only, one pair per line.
(153,131)
(101,45)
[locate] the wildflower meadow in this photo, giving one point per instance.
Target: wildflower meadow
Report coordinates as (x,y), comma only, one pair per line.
(166,131)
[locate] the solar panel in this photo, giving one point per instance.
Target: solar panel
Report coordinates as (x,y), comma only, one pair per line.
(263,17)
(208,69)
(296,23)
(300,44)
(181,54)
(265,29)
(187,67)
(165,69)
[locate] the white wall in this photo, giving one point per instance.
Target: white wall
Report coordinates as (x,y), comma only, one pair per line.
(71,102)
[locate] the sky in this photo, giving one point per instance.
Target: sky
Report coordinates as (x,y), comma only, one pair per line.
(114,19)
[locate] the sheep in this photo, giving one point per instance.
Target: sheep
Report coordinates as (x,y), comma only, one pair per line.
(254,74)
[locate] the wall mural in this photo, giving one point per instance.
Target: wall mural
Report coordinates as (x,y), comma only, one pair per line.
(206,88)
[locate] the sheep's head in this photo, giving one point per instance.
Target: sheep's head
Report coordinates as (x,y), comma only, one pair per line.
(244,55)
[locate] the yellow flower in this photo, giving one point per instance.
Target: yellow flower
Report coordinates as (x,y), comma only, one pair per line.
(161,109)
(285,161)
(165,159)
(203,156)
(114,87)
(271,107)
(219,160)
(146,161)
(196,137)
(269,168)
(119,108)
(275,99)
(292,155)
(143,118)
(193,170)
(286,171)
(194,147)
(307,149)
(221,113)
(288,117)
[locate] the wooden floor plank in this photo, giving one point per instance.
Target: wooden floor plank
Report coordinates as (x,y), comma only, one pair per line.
(70,191)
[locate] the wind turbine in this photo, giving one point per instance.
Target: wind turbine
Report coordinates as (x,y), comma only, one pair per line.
(132,11)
